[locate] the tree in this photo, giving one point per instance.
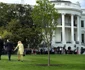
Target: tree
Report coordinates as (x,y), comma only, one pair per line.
(16,24)
(3,13)
(45,17)
(21,25)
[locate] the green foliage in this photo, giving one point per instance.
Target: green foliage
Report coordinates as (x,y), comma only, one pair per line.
(45,17)
(4,33)
(3,13)
(16,24)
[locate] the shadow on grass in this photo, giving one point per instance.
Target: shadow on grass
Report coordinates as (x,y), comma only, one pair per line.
(50,64)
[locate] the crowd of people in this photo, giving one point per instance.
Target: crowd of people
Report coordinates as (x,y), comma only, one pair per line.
(9,47)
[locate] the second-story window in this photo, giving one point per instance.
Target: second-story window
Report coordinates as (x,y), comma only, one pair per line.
(82,23)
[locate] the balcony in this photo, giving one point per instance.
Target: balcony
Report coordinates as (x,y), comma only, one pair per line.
(77,42)
(68,24)
(68,42)
(58,42)
(67,5)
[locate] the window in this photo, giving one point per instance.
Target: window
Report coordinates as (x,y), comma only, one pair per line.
(82,38)
(82,23)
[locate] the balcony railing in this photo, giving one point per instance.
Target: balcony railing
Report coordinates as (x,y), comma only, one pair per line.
(68,42)
(77,42)
(68,24)
(58,42)
(67,5)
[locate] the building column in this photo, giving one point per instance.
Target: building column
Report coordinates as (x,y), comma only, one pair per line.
(63,29)
(79,34)
(72,28)
(78,29)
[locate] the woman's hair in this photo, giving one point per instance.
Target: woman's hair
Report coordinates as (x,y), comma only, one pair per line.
(19,42)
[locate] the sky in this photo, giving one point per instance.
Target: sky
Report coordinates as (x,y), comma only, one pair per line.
(33,2)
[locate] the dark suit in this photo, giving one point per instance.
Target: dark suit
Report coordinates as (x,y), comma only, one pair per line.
(9,48)
(1,47)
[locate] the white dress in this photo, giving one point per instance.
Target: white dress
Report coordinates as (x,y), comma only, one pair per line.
(20,48)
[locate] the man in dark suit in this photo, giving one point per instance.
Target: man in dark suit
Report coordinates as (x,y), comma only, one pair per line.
(9,48)
(1,46)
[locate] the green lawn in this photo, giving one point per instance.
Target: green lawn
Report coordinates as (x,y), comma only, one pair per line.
(33,62)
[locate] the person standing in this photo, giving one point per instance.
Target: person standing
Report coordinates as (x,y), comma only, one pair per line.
(9,48)
(20,52)
(1,46)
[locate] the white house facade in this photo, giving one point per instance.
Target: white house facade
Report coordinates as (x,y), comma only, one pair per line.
(70,30)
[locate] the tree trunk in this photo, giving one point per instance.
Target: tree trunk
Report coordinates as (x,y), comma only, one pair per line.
(48,56)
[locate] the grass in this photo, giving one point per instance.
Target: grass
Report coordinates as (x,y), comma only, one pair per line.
(31,62)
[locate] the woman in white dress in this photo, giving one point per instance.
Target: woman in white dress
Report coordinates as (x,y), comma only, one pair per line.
(20,52)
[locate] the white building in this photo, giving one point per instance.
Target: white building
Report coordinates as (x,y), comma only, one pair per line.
(71,25)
